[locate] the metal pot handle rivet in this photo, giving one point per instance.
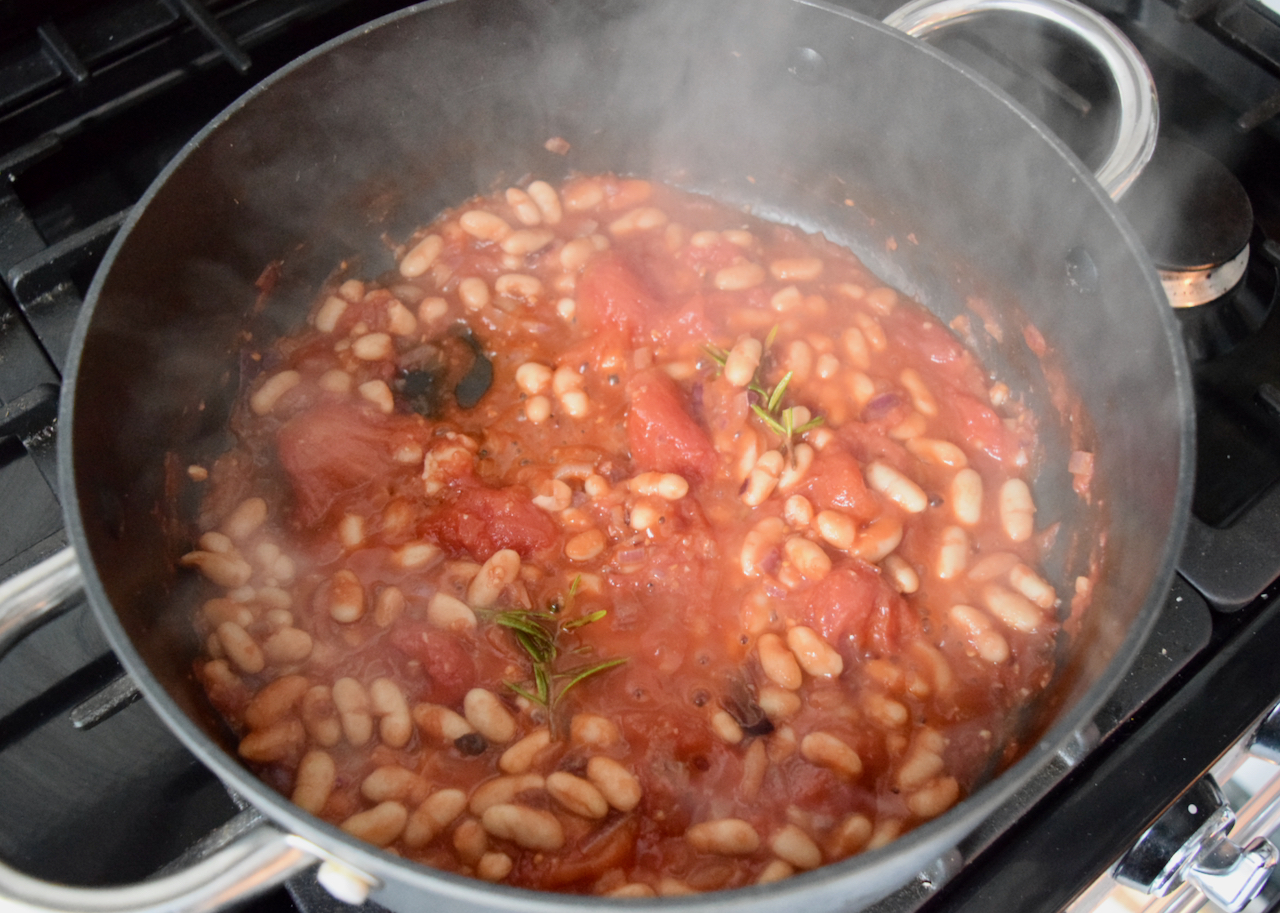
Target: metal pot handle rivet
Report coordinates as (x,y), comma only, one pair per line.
(254,862)
(1139,119)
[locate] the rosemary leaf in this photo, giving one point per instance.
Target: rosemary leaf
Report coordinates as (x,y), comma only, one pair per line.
(580,674)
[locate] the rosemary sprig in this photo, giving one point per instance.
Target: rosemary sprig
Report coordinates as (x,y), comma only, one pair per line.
(539,633)
(781,422)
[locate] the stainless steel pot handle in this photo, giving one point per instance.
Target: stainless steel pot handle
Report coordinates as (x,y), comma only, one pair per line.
(256,861)
(1139,119)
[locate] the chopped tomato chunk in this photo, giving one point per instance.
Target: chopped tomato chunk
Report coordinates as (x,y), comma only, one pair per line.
(662,434)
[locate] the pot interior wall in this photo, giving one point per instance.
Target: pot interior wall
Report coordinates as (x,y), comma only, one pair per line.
(789,108)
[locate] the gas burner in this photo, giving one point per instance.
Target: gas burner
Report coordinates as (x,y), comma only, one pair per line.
(1196,221)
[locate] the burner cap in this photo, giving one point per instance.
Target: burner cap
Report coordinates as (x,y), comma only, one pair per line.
(1191,212)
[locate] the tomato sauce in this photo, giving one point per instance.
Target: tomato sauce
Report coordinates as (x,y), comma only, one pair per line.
(621,543)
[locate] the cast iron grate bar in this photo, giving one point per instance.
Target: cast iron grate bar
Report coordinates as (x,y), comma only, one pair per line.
(202,19)
(57,698)
(56,46)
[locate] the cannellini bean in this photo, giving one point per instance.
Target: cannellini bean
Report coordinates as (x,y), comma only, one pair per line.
(530,828)
(329,313)
(225,570)
(850,835)
(815,655)
(392,782)
(577,795)
(724,837)
(416,555)
(474,293)
(373,347)
(776,870)
(887,712)
(276,699)
(526,209)
(778,703)
(738,276)
(796,847)
(763,478)
(421,256)
(484,226)
(901,574)
(575,403)
(632,889)
(320,716)
(739,236)
(807,557)
(953,553)
(432,309)
(966,497)
(1013,609)
(241,648)
(352,703)
(501,569)
(796,269)
(519,757)
(275,743)
(778,662)
(645,218)
(400,320)
(798,512)
(380,825)
(856,348)
(470,841)
(836,529)
(645,515)
(726,727)
(585,545)
(548,201)
(593,730)
(1017,510)
(494,867)
(537,409)
(923,761)
(554,495)
(993,566)
(526,241)
(395,724)
(218,610)
(882,300)
(575,254)
(503,790)
(936,452)
(246,519)
(518,285)
(895,486)
(346,599)
(264,399)
(490,717)
(440,723)
(582,195)
(666,485)
(618,785)
(786,299)
(980,634)
(872,330)
(826,750)
(450,613)
(314,781)
(755,764)
(1031,585)
(433,815)
(934,798)
(742,361)
(213,541)
(797,469)
(532,377)
(378,393)
(918,390)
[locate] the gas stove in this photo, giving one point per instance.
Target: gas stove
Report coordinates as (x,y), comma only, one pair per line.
(96,98)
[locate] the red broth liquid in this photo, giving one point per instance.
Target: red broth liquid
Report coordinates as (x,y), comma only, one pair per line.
(763,628)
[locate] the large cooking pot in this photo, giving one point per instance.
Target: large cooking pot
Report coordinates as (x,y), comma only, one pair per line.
(802,111)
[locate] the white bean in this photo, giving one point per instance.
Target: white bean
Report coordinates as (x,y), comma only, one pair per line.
(953,553)
(1017,510)
(548,201)
(778,662)
(264,399)
(501,569)
(1030,584)
(980,634)
(530,828)
(966,497)
(742,361)
(1013,609)
(577,795)
(815,655)
(421,256)
(395,726)
(354,710)
(724,837)
(519,757)
(618,785)
(486,712)
(826,750)
(738,276)
(314,781)
(484,226)
(937,453)
(796,847)
(380,825)
(891,483)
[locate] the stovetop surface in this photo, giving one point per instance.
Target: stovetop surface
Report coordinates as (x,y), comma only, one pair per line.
(96,98)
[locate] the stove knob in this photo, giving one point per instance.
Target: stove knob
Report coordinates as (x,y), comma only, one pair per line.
(1189,843)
